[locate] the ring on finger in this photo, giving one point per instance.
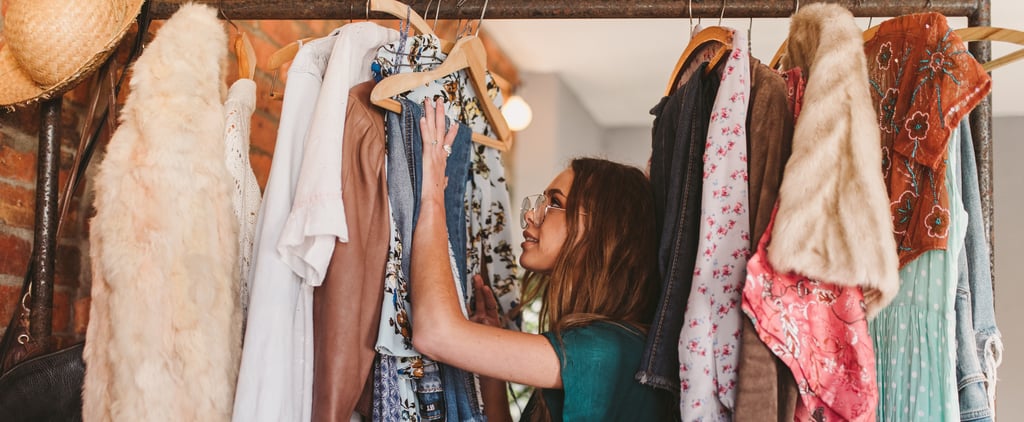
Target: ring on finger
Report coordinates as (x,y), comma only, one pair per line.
(434,142)
(447,149)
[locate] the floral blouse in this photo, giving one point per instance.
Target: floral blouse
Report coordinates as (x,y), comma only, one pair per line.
(923,82)
(820,330)
(709,340)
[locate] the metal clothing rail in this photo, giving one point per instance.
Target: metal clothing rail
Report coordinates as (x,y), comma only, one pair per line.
(569,9)
(978,13)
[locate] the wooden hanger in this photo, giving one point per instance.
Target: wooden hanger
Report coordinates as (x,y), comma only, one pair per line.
(468,53)
(279,58)
(246,56)
(718,34)
(975,33)
(981,33)
(781,52)
(286,53)
(774,63)
(991,33)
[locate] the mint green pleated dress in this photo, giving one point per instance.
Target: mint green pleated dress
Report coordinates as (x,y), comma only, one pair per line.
(915,341)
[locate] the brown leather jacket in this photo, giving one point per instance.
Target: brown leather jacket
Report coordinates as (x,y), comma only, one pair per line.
(346,307)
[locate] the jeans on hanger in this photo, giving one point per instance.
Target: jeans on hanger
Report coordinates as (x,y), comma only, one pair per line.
(676,171)
(444,392)
(976,329)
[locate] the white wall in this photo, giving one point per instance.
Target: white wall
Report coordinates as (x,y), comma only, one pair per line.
(561,130)
(1009,206)
(629,145)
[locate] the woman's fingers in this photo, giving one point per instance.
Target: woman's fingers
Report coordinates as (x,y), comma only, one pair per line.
(449,138)
(478,296)
(490,303)
(439,126)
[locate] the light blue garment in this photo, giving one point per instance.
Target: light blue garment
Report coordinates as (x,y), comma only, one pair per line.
(976,325)
(914,337)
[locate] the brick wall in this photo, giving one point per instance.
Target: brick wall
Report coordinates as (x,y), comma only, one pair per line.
(18,144)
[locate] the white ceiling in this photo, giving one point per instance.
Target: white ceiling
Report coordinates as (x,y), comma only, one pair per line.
(619,67)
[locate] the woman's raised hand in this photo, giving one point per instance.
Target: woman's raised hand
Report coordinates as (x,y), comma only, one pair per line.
(485,309)
(437,146)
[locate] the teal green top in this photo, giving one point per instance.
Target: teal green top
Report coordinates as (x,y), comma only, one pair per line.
(598,364)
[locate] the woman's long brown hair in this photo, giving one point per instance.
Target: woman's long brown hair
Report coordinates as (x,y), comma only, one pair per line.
(607,269)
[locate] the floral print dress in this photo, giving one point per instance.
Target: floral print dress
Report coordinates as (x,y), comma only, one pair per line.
(710,338)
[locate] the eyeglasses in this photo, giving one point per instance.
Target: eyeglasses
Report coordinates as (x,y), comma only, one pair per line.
(539,206)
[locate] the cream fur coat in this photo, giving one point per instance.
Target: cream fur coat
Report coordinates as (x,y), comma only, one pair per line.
(163,340)
(833,222)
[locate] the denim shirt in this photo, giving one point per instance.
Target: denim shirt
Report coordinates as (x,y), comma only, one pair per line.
(979,346)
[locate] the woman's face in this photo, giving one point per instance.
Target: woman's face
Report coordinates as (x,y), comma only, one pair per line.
(543,243)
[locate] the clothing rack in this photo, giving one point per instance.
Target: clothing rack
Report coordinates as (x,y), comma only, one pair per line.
(978,13)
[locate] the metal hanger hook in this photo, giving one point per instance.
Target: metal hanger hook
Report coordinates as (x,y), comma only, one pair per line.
(721,15)
(689,6)
(481,21)
(230,22)
(750,32)
(797,7)
(436,14)
(367,9)
(426,11)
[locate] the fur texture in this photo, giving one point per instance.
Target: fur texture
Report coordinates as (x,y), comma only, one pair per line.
(833,222)
(163,341)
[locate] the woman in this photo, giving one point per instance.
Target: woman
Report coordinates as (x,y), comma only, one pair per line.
(590,249)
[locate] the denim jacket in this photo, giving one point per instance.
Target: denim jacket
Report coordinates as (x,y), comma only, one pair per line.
(680,127)
(979,344)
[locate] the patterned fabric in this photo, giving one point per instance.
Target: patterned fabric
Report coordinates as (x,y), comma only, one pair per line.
(923,82)
(820,331)
(709,340)
(388,402)
(395,336)
(246,197)
(488,247)
(915,342)
(394,396)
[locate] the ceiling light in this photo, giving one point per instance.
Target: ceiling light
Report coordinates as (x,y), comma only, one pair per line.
(517,113)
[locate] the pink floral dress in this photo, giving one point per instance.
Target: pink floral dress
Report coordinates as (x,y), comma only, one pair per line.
(710,338)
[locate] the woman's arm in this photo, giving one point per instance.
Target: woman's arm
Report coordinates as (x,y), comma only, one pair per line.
(439,329)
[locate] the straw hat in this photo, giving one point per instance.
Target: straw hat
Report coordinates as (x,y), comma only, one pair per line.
(50,45)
